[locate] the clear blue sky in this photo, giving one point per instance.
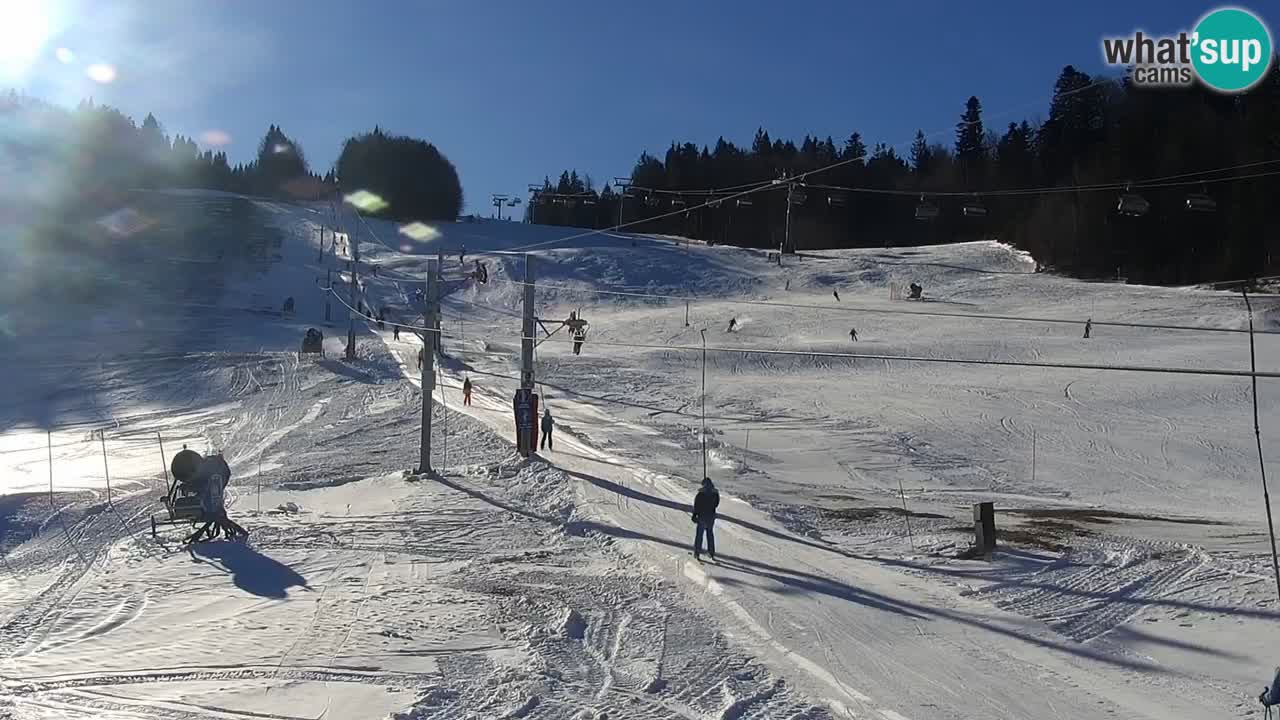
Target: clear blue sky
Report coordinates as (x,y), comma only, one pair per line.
(513,91)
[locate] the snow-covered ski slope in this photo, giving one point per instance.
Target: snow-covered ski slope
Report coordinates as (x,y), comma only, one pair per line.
(1131,580)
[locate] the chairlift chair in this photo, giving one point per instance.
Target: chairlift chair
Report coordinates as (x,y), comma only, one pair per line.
(926,210)
(1132,205)
(974,208)
(677,202)
(744,202)
(651,200)
(588,201)
(1201,202)
(835,200)
(798,198)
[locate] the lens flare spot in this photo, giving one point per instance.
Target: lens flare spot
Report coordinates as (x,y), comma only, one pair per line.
(64,55)
(124,222)
(419,231)
(215,138)
(366,201)
(101,73)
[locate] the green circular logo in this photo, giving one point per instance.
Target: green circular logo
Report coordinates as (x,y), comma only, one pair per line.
(1231,50)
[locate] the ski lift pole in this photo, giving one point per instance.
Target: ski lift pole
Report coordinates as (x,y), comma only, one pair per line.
(786,237)
(428,373)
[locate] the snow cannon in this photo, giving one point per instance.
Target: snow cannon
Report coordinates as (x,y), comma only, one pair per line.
(182,500)
(185,465)
(313,342)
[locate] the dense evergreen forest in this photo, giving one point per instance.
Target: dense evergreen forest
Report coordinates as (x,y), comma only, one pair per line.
(1052,187)
(82,160)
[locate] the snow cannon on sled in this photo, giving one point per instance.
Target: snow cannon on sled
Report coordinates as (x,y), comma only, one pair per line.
(313,342)
(182,500)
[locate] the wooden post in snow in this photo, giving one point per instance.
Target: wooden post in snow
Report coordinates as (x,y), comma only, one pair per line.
(984,528)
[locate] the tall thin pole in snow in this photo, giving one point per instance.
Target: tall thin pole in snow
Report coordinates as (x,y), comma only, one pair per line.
(786,238)
(444,413)
(354,246)
(906,514)
(1033,455)
(704,402)
(53,505)
(49,435)
(1257,432)
(435,303)
(106,473)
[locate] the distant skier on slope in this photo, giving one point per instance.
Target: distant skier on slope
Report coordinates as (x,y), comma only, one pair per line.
(1088,328)
(1271,695)
(733,323)
(395,331)
(853,334)
(836,295)
(466,391)
(704,516)
(547,426)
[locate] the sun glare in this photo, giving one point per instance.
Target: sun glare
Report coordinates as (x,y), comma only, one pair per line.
(101,72)
(24,29)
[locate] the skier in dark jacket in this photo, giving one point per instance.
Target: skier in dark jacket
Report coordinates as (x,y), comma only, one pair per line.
(466,391)
(704,515)
(547,426)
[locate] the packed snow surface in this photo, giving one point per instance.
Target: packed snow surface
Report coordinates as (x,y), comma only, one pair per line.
(1133,576)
